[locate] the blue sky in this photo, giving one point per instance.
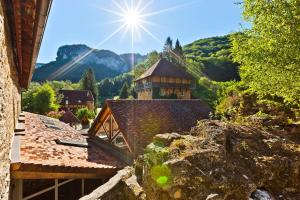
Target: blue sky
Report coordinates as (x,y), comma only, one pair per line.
(86,22)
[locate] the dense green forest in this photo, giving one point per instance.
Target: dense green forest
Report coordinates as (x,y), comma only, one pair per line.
(213,58)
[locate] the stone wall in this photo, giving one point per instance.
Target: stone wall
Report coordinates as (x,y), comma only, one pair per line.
(10,103)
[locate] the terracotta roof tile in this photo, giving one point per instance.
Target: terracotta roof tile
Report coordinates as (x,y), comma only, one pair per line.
(38,147)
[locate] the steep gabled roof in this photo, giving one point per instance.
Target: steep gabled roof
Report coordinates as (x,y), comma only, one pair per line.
(76,97)
(166,69)
(140,120)
(68,117)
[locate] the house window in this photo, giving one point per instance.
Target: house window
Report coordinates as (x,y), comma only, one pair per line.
(181,92)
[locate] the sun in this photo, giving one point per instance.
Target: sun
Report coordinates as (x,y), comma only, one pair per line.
(132,18)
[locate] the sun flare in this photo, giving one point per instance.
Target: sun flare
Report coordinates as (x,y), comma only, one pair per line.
(132,18)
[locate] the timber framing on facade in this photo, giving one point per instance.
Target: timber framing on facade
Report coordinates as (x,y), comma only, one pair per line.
(108,126)
(164,80)
(133,123)
(27,21)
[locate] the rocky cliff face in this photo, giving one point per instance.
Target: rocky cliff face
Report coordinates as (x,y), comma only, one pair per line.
(220,161)
(105,63)
(89,56)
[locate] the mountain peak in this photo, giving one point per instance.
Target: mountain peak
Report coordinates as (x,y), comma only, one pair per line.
(105,61)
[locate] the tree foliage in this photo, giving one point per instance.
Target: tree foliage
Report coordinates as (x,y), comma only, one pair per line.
(139,69)
(269,52)
(88,82)
(212,58)
(40,99)
(178,48)
(124,93)
(111,87)
(84,115)
(168,44)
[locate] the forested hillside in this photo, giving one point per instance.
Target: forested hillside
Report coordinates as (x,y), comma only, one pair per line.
(212,56)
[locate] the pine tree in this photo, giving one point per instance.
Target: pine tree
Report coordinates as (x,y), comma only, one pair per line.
(178,48)
(124,93)
(168,45)
(88,82)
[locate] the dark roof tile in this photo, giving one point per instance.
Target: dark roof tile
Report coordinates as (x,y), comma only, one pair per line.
(68,117)
(76,97)
(165,68)
(140,120)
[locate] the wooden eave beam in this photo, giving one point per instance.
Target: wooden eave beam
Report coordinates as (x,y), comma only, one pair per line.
(100,120)
(51,175)
(27,20)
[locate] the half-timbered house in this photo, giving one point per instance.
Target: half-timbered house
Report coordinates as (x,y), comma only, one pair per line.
(164,80)
(131,124)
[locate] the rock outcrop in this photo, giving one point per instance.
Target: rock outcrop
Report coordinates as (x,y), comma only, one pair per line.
(219,161)
(223,161)
(73,60)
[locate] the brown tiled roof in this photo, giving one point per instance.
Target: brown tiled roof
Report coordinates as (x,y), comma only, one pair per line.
(76,97)
(68,117)
(39,149)
(165,68)
(140,120)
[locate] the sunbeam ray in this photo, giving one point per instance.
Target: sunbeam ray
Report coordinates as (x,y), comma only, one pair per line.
(151,34)
(67,67)
(119,6)
(146,6)
(168,9)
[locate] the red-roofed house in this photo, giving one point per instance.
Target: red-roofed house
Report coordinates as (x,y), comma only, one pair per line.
(51,159)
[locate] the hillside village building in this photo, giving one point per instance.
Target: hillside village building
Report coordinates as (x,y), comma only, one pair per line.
(164,80)
(75,99)
(131,124)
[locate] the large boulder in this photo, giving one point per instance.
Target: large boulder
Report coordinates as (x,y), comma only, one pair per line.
(222,161)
